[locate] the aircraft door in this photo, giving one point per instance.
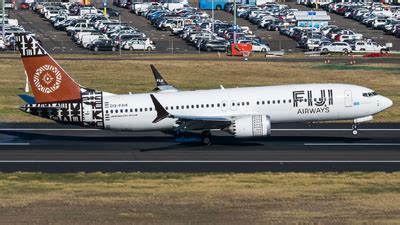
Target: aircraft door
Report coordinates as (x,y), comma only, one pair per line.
(348,98)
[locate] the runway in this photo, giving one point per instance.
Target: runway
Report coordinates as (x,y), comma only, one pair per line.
(292,147)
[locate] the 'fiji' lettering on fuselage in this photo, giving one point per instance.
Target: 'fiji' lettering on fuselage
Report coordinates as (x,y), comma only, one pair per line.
(314,103)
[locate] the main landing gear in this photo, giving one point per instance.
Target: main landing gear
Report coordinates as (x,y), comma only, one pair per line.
(354,129)
(205,137)
(188,137)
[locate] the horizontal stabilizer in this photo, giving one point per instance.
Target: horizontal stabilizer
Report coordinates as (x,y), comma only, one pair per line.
(27,98)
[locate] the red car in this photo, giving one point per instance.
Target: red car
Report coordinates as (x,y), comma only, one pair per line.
(24,6)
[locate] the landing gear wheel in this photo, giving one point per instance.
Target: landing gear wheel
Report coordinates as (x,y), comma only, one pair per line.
(355,131)
(206,137)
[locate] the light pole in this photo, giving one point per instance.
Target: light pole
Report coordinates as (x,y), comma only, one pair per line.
(212,14)
(234,21)
(4,20)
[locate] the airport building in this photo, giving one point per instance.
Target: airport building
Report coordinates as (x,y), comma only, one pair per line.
(315,19)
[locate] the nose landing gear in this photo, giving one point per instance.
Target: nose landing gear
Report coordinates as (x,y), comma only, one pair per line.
(355,130)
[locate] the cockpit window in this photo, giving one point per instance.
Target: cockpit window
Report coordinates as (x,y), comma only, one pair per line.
(369,94)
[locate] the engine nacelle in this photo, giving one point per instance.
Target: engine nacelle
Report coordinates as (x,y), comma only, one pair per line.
(251,126)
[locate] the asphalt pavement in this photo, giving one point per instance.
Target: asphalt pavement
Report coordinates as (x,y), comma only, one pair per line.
(292,147)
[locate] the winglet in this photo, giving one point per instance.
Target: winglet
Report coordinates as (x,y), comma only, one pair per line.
(161,112)
(157,76)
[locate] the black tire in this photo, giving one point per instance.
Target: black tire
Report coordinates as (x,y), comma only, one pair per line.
(206,137)
(96,49)
(363,49)
(325,50)
(149,49)
(219,7)
(345,51)
(264,50)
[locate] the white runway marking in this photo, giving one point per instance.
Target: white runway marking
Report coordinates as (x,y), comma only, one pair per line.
(199,161)
(45,129)
(349,129)
(3,144)
(352,144)
(79,129)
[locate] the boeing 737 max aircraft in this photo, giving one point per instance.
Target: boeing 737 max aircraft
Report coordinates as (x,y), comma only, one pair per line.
(243,112)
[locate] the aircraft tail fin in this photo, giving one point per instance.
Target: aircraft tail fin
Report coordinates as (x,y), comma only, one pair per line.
(49,82)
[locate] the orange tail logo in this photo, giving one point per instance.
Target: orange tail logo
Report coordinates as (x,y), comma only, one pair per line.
(49,82)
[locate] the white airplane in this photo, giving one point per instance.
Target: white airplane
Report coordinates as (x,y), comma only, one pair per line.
(243,112)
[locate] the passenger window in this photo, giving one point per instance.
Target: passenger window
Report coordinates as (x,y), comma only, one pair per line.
(290,100)
(273,102)
(172,108)
(268,102)
(284,101)
(131,110)
(192,106)
(140,109)
(207,105)
(212,105)
(202,106)
(187,106)
(126,110)
(263,102)
(166,108)
(233,104)
(135,110)
(145,109)
(150,109)
(248,103)
(106,111)
(258,102)
(197,106)
(121,110)
(242,103)
(112,111)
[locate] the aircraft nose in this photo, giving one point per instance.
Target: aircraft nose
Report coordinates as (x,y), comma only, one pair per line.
(386,102)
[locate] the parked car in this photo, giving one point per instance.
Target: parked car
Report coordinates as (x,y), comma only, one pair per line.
(102,45)
(138,44)
(336,47)
(368,46)
(214,45)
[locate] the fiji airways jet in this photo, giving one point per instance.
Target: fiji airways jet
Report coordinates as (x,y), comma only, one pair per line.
(243,112)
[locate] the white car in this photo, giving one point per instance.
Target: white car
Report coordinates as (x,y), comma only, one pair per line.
(368,46)
(260,47)
(137,44)
(2,44)
(336,47)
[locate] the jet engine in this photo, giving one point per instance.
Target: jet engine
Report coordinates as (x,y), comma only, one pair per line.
(251,126)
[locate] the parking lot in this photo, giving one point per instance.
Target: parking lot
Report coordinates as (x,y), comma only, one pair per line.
(57,41)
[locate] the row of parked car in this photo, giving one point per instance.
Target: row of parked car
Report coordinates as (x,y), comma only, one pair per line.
(89,28)
(11,27)
(374,15)
(329,38)
(197,28)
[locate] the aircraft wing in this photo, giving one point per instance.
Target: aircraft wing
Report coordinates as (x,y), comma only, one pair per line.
(190,122)
(161,84)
